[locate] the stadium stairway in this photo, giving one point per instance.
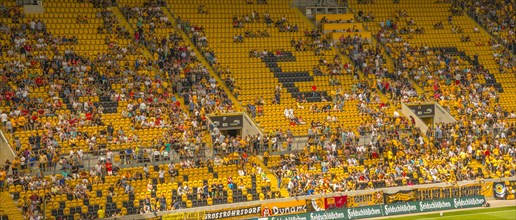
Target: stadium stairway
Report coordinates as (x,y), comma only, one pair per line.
(389,61)
(9,207)
(345,59)
(438,12)
(384,9)
(255,77)
(123,21)
(205,63)
(274,180)
(508,83)
(173,21)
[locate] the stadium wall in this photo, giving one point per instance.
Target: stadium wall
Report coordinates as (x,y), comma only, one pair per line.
(246,206)
(442,116)
(6,152)
(250,128)
(419,123)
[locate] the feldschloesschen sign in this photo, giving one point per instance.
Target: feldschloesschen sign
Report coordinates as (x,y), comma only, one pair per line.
(387,209)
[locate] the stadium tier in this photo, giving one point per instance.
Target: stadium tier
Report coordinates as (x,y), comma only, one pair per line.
(105,104)
(290,65)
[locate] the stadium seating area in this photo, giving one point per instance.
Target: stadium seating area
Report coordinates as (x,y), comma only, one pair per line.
(130,82)
(497,18)
(443,31)
(279,70)
(142,189)
(117,99)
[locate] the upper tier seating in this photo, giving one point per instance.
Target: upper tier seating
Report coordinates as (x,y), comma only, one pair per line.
(497,18)
(396,26)
(287,68)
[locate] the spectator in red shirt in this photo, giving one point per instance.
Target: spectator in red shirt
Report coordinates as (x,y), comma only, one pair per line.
(109,168)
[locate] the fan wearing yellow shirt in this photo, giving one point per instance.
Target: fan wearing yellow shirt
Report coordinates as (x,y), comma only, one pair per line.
(101,213)
(3,175)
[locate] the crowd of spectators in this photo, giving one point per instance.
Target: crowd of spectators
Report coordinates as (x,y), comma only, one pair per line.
(313,41)
(398,153)
(496,16)
(146,100)
(333,161)
(148,19)
(407,157)
(368,59)
(239,38)
(86,182)
(224,144)
(400,159)
(497,19)
(441,71)
(111,25)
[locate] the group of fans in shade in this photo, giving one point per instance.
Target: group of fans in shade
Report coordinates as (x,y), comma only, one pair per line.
(54,110)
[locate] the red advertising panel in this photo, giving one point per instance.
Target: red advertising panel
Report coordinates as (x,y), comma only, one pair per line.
(336,202)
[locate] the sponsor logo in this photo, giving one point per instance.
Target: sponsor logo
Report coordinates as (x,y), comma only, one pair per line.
(317,204)
(376,210)
(288,210)
(500,190)
(364,212)
(467,202)
(289,218)
(435,205)
(327,216)
(232,213)
(399,209)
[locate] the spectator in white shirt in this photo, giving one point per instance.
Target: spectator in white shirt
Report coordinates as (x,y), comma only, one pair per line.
(4,118)
(161,175)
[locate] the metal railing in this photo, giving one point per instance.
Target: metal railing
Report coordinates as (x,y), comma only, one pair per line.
(320,3)
(89,160)
(29,2)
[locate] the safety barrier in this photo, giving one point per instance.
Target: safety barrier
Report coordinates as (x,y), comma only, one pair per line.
(469,192)
(387,209)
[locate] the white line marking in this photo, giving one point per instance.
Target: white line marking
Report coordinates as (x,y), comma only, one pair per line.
(469,214)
